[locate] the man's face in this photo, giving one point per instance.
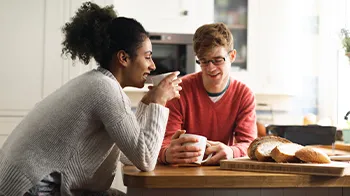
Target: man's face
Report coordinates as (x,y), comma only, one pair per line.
(215,66)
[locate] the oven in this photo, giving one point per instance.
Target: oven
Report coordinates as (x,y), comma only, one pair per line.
(172,52)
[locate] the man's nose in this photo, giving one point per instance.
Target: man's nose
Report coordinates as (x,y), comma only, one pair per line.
(211,65)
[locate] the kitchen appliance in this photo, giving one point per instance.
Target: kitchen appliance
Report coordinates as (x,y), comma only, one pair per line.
(304,135)
(172,52)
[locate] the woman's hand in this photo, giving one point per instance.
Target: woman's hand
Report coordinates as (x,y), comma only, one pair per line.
(166,90)
(176,153)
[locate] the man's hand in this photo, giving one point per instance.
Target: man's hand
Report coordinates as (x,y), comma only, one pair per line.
(176,153)
(220,150)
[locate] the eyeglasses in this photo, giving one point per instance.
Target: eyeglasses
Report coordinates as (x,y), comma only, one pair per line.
(216,61)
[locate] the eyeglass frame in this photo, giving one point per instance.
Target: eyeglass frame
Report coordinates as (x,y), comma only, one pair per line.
(206,63)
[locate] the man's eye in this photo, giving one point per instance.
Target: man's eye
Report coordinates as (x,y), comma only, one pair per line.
(218,60)
(148,57)
(203,61)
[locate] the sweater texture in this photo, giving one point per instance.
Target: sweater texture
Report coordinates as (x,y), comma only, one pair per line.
(80,131)
(230,120)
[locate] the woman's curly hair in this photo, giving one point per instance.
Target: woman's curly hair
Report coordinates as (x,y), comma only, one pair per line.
(98,33)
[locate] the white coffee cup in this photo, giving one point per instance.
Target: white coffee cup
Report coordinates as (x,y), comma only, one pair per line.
(156,79)
(202,144)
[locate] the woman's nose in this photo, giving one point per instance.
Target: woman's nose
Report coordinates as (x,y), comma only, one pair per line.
(152,67)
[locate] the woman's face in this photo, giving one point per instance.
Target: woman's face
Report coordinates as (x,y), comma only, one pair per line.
(141,66)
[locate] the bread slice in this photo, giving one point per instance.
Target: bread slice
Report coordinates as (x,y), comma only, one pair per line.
(312,155)
(263,151)
(285,153)
(252,147)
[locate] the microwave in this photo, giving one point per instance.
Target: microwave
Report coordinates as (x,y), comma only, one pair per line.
(172,52)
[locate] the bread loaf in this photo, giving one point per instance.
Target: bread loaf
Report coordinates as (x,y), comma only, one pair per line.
(253,146)
(312,155)
(263,151)
(285,153)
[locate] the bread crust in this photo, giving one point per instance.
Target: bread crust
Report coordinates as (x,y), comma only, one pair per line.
(312,155)
(282,156)
(252,147)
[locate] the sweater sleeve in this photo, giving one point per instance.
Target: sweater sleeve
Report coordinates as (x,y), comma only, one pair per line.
(245,130)
(139,136)
(175,123)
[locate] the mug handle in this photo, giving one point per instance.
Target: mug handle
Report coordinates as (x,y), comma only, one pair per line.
(209,156)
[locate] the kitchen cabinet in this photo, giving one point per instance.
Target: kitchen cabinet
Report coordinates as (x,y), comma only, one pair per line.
(279,43)
(22,55)
(31,52)
(242,17)
(234,14)
(32,65)
(175,16)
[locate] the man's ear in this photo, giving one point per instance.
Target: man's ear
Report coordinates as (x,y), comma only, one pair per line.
(233,54)
(122,58)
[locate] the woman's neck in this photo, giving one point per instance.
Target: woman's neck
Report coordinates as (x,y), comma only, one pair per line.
(118,74)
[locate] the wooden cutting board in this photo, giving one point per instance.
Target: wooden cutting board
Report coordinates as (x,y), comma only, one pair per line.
(245,164)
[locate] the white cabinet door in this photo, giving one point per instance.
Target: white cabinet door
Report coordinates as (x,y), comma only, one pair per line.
(60,69)
(175,16)
(21,52)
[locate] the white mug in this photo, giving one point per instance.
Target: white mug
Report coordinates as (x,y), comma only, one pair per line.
(156,79)
(202,144)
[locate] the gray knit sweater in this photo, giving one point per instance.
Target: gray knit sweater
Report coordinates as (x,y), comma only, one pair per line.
(80,131)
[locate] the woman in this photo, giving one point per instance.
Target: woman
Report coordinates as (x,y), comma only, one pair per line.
(70,142)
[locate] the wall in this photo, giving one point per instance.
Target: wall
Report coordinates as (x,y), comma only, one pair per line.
(333,69)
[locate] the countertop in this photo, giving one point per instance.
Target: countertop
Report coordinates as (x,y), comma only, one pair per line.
(172,176)
(213,177)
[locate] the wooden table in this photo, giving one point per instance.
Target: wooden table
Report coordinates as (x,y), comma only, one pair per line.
(210,180)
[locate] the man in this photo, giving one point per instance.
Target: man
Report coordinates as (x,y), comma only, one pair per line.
(212,104)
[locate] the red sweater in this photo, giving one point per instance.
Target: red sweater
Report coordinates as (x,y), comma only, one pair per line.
(231,120)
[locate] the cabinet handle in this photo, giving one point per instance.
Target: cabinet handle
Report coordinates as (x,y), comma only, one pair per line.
(184,13)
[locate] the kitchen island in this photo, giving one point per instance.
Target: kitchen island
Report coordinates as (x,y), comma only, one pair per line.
(167,180)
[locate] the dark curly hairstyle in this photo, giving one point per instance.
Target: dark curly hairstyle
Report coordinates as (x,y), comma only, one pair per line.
(98,33)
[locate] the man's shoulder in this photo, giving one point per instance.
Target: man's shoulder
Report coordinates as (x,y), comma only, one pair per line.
(240,86)
(190,79)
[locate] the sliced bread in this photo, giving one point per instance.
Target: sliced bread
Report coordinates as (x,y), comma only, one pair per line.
(312,155)
(253,146)
(263,151)
(285,153)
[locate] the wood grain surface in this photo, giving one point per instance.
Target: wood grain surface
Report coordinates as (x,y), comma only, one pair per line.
(167,176)
(246,164)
